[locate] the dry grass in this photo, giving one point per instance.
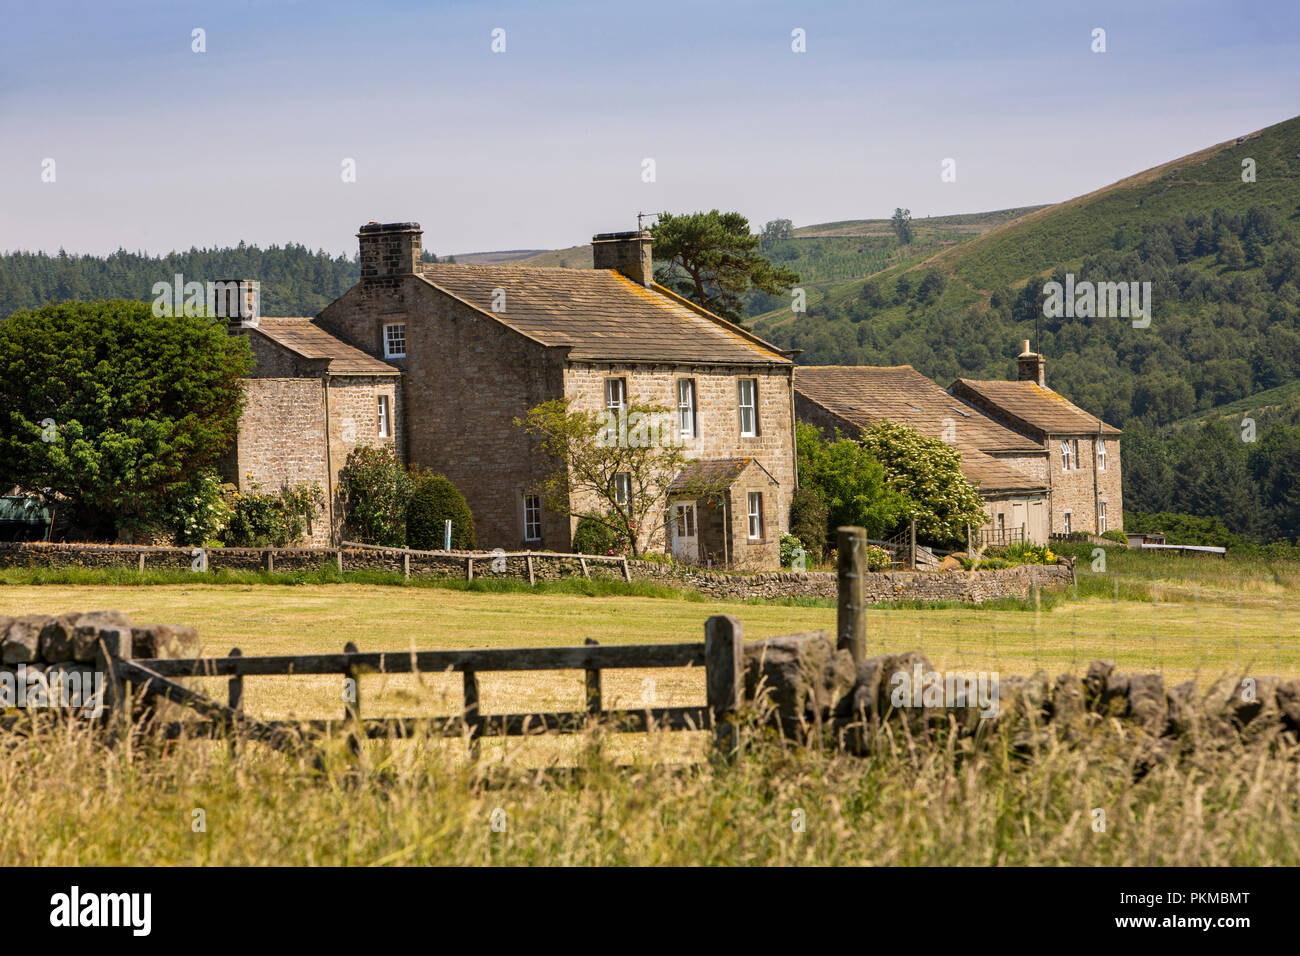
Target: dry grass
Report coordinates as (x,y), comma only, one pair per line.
(69,801)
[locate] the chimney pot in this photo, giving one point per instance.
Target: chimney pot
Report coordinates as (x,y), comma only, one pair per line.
(1031,367)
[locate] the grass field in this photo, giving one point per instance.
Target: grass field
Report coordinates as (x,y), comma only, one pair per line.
(656,799)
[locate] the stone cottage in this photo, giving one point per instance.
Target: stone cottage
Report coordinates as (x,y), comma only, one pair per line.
(458,352)
(1007,468)
(1083,473)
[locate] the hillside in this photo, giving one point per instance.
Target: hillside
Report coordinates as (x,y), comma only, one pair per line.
(1222,256)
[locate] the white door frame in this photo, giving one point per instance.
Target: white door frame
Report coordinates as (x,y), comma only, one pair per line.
(685,547)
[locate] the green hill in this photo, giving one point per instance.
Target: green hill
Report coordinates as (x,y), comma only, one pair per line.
(1222,256)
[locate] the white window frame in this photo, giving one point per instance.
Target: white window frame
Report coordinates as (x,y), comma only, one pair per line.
(754,503)
(1101,517)
(1068,529)
(389,350)
(382,412)
(1101,454)
(1066,454)
(623,489)
(532,518)
(686,416)
(751,407)
(615,396)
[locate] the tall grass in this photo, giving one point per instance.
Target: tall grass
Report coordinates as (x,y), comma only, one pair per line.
(69,801)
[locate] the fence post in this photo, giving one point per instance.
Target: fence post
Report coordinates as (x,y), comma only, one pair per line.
(352,708)
(627,572)
(406,566)
(851,618)
(968,541)
(912,546)
(472,719)
(724,680)
(270,560)
(593,684)
(532,580)
(469,569)
(583,562)
(235,697)
(115,645)
(142,562)
(339,558)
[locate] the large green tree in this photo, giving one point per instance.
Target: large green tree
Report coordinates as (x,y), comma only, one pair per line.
(712,259)
(850,480)
(928,473)
(108,406)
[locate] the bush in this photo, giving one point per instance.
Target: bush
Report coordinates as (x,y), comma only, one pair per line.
(434,500)
(1030,554)
(809,520)
(375,491)
(259,520)
(789,544)
(877,558)
(1117,536)
(594,537)
(196,509)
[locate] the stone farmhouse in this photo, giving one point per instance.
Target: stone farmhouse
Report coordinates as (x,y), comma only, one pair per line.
(1083,473)
(438,360)
(1009,435)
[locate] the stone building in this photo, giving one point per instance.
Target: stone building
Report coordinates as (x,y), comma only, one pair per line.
(1007,468)
(311,399)
(1083,458)
(460,352)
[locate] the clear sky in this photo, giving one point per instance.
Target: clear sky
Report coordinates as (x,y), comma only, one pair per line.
(158,147)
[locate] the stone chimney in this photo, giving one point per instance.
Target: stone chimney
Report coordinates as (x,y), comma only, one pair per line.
(390,249)
(627,252)
(1030,366)
(238,301)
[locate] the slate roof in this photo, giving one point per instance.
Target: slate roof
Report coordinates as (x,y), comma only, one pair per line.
(602,315)
(305,338)
(1035,407)
(712,473)
(865,394)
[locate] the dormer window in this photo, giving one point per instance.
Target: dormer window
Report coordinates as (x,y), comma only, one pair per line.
(395,340)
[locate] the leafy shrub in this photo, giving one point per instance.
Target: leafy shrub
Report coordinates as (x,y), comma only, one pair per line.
(375,489)
(434,500)
(1030,554)
(810,519)
(1117,536)
(276,520)
(594,537)
(789,544)
(197,509)
(877,558)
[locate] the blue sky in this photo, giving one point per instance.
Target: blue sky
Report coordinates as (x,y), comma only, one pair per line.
(158,147)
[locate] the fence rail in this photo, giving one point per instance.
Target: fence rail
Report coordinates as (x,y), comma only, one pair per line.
(719,654)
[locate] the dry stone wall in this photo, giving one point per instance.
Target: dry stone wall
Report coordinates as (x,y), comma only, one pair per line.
(963,586)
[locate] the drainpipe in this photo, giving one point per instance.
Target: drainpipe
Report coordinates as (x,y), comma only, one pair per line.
(329,465)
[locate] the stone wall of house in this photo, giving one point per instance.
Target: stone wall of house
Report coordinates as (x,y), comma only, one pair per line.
(717,419)
(467,377)
(281,440)
(764,553)
(1079,489)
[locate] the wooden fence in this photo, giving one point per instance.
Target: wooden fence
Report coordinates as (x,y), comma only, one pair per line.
(719,654)
(479,558)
